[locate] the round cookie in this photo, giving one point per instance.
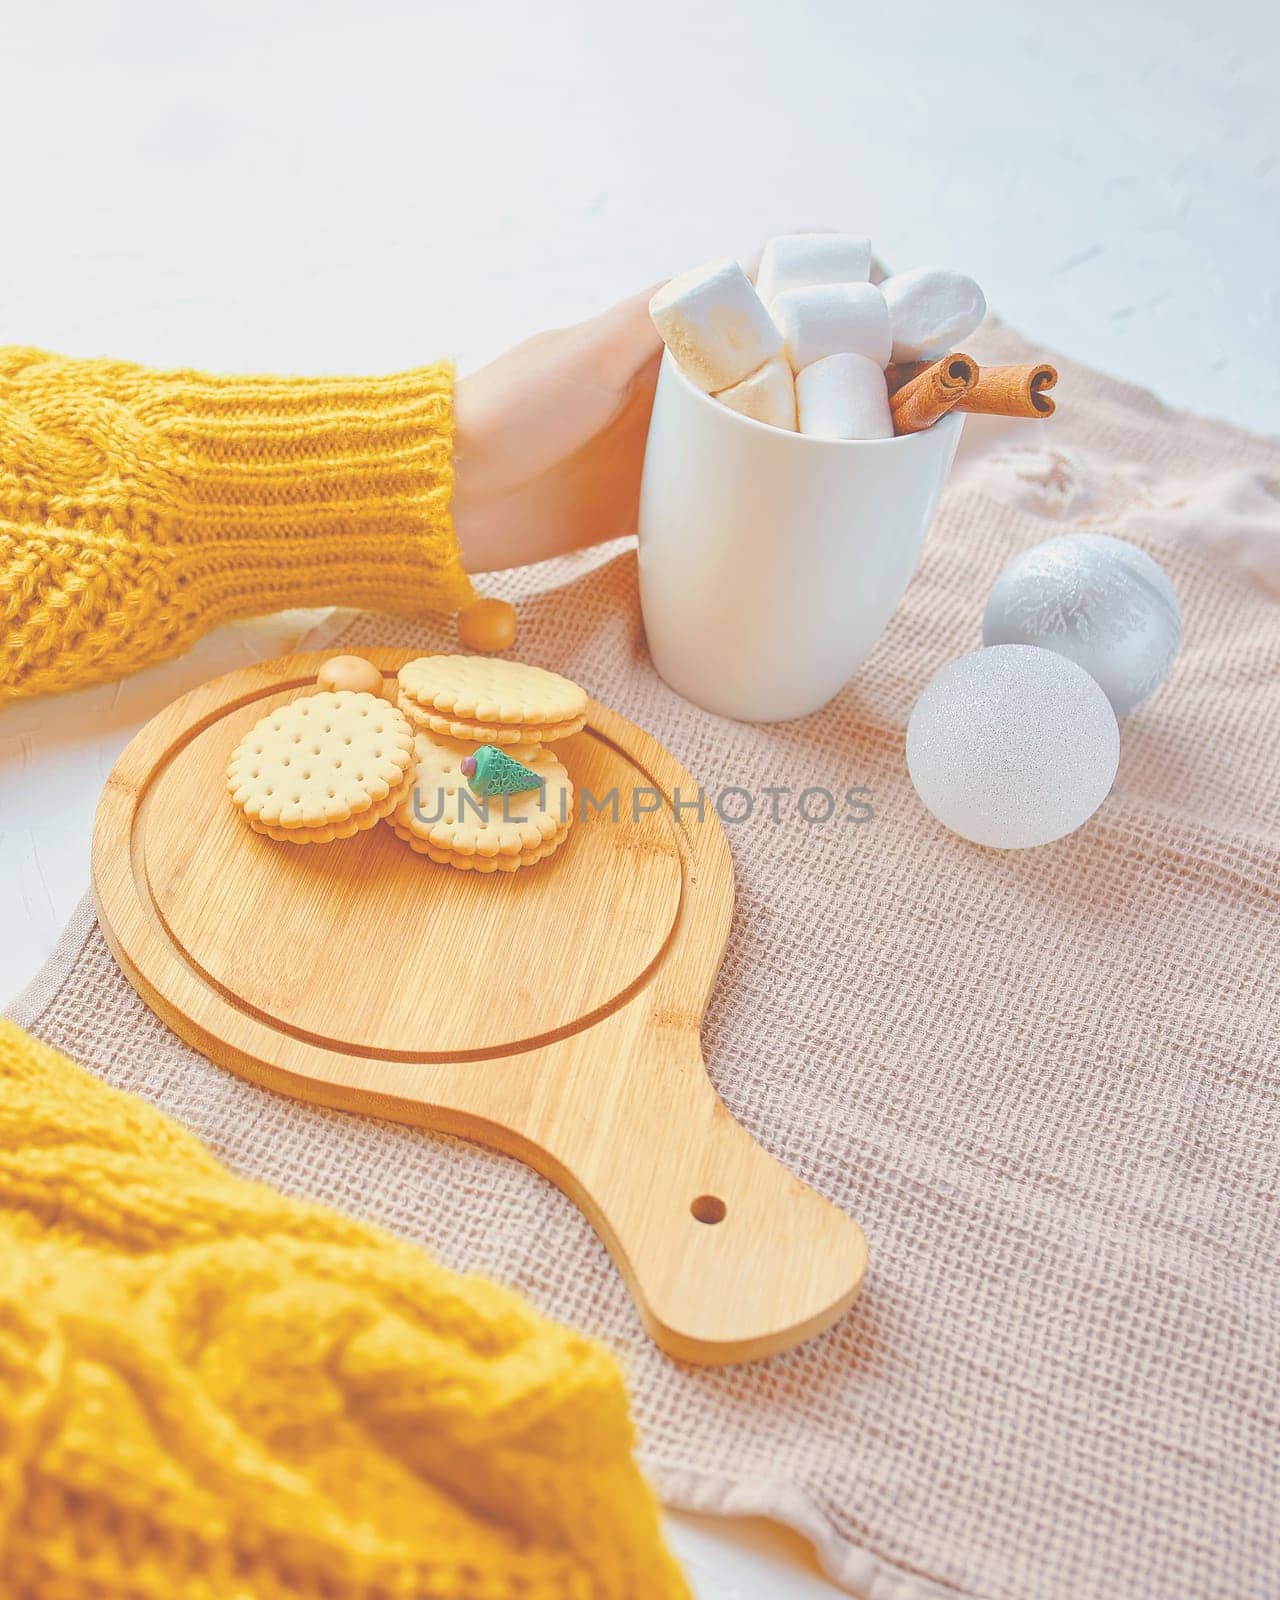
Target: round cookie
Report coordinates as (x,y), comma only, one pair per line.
(340,830)
(506,735)
(490,701)
(451,858)
(322,766)
(441,817)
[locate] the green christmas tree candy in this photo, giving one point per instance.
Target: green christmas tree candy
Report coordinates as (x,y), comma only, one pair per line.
(492,771)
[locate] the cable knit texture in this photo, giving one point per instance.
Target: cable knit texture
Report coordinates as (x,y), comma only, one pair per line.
(139,508)
(211,1391)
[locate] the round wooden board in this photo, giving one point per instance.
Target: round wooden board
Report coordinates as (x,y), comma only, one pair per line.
(344,943)
(552,1012)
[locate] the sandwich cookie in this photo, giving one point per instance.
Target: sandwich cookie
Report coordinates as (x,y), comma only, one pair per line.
(444,819)
(323,766)
(490,701)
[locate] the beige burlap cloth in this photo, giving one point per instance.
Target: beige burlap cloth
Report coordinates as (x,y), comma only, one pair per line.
(1045,1082)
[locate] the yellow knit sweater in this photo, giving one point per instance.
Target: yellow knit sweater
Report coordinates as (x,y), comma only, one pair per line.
(210,1392)
(138,508)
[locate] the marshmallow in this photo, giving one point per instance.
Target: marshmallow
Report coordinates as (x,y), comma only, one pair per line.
(930,310)
(844,397)
(833,319)
(768,395)
(715,325)
(805,260)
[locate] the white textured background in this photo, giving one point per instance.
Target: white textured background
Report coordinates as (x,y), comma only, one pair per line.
(342,187)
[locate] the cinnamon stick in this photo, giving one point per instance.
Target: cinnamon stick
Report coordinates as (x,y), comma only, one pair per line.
(932,392)
(999,391)
(1013,392)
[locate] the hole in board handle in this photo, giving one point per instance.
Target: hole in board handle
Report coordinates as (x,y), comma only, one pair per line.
(708,1208)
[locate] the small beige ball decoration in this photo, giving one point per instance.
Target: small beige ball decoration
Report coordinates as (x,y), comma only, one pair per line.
(349,672)
(487,626)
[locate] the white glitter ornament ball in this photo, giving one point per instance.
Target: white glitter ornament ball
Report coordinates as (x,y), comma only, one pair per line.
(1013,746)
(1099,601)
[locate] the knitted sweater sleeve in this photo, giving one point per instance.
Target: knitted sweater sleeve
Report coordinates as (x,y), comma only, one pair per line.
(139,508)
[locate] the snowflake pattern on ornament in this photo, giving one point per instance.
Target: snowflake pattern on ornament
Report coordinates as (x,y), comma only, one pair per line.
(1069,599)
(1099,600)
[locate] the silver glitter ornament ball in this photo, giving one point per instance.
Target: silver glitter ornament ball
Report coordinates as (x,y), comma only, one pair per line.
(1099,601)
(1013,746)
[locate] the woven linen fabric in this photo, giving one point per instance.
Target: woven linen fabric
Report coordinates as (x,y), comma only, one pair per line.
(1045,1082)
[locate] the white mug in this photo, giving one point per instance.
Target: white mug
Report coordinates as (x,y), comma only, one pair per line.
(770,562)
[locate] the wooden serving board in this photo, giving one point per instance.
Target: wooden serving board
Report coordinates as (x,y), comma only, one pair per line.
(552,1013)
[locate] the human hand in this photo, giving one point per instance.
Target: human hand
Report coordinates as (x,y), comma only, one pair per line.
(550,440)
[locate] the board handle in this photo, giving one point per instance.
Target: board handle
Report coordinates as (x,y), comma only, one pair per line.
(729,1256)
